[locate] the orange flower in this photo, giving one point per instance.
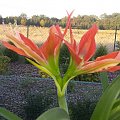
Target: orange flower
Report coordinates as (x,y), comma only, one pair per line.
(82,53)
(27,48)
(45,57)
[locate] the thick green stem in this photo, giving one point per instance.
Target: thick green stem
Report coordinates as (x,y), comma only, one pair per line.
(62,102)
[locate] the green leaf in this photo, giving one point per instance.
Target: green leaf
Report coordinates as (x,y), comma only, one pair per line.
(115,114)
(104,80)
(8,115)
(54,114)
(40,67)
(116,104)
(107,100)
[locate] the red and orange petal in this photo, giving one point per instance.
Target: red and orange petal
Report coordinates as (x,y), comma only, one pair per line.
(97,66)
(91,51)
(113,69)
(29,43)
(51,43)
(68,22)
(13,48)
(74,55)
(87,43)
(28,51)
(113,55)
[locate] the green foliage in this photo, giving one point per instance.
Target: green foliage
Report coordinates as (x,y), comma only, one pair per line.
(91,77)
(70,87)
(79,22)
(4,60)
(27,83)
(8,115)
(82,110)
(43,74)
(117,45)
(51,114)
(101,50)
(104,80)
(12,55)
(108,107)
(36,104)
(42,23)
(1,50)
(64,58)
(23,21)
(54,114)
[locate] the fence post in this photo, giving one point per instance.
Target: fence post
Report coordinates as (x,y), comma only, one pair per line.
(28,25)
(27,31)
(115,38)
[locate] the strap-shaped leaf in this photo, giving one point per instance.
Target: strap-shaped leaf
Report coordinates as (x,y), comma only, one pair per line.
(116,104)
(107,100)
(115,114)
(104,80)
(54,114)
(8,115)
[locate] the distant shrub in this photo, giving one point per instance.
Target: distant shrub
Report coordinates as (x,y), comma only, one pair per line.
(11,54)
(1,50)
(101,50)
(4,60)
(71,87)
(35,105)
(27,83)
(91,77)
(82,110)
(64,58)
(117,45)
(1,118)
(43,74)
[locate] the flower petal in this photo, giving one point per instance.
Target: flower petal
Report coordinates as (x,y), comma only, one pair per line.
(87,44)
(112,55)
(29,43)
(48,48)
(74,55)
(113,69)
(30,53)
(68,23)
(34,47)
(98,66)
(13,48)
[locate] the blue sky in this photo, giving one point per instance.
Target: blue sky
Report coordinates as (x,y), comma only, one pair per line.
(57,8)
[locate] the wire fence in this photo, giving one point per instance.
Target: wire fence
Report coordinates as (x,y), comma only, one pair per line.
(109,38)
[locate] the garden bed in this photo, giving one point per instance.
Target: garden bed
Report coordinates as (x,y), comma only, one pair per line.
(23,79)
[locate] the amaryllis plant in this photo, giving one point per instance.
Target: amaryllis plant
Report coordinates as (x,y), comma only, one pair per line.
(46,57)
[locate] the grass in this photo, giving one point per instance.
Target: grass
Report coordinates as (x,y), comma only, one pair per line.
(39,35)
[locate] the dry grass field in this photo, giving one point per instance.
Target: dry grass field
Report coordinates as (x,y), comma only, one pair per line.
(39,35)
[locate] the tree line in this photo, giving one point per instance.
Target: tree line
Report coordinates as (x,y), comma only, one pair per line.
(104,22)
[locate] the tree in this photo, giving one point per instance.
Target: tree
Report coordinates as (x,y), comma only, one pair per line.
(42,23)
(23,21)
(0,19)
(23,15)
